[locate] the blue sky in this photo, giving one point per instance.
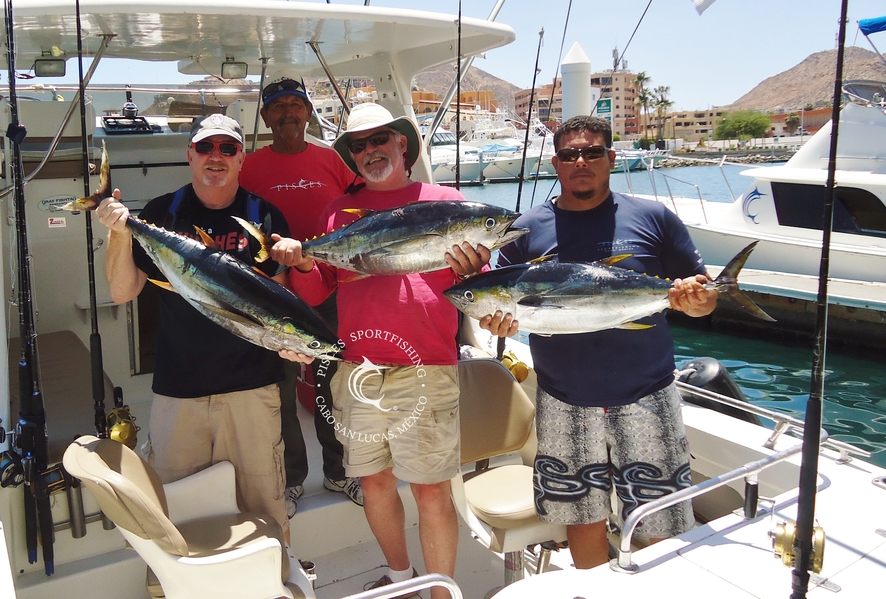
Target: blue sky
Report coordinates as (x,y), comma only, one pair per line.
(707,60)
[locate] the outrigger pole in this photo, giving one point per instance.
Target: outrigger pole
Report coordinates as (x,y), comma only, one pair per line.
(31,438)
(541,37)
(803,547)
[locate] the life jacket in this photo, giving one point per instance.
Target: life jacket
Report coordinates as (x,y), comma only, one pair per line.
(253,202)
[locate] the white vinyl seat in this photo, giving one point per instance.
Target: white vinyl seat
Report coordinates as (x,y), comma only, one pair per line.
(197,545)
(497,503)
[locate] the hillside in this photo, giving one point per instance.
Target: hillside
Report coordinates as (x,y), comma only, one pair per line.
(811,81)
(440,78)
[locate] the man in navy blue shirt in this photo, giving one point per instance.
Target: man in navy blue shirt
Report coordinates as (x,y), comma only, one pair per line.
(608,409)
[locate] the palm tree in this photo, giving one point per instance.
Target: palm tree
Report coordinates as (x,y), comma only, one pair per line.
(644,97)
(662,103)
(792,122)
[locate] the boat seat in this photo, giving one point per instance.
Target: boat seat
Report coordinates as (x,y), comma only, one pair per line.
(497,502)
(195,540)
(65,368)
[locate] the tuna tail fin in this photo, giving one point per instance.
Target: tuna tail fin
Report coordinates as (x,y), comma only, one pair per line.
(92,202)
(727,283)
(259,235)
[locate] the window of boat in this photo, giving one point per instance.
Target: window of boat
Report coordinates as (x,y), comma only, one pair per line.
(856,211)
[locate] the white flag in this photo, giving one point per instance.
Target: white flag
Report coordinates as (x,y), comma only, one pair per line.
(702,5)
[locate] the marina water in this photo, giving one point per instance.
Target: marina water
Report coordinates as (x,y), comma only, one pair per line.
(774,373)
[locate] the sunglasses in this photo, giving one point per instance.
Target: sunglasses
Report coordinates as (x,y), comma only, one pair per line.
(379,139)
(289,85)
(589,153)
(226,148)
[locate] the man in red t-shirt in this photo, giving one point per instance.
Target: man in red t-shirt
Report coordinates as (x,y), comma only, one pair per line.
(399,334)
(300,179)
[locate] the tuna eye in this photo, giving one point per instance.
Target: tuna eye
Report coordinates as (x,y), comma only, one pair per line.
(490,223)
(314,344)
(469,295)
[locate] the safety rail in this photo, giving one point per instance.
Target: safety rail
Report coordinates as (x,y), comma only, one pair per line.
(623,562)
(411,586)
(783,422)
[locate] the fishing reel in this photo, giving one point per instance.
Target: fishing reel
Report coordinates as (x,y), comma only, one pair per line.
(519,369)
(12,473)
(783,538)
(122,427)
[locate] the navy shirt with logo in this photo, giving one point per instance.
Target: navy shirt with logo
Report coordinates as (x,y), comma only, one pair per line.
(616,366)
(194,356)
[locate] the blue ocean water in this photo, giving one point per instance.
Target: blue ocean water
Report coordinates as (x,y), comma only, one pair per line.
(771,372)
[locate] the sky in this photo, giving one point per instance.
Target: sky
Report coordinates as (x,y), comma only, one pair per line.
(706,60)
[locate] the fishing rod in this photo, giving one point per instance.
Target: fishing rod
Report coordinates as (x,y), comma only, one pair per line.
(541,37)
(457,104)
(31,438)
(803,542)
(95,340)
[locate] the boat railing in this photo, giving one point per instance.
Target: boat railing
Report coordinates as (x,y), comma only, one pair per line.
(748,471)
(783,422)
(410,587)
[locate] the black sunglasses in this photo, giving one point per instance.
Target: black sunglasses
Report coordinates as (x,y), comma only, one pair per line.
(589,153)
(289,85)
(379,139)
(226,148)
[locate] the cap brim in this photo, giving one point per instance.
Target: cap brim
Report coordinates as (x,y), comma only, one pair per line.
(286,92)
(201,135)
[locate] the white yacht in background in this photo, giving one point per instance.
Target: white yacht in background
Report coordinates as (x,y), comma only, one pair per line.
(784,206)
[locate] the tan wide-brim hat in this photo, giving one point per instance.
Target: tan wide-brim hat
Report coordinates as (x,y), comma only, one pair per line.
(368,116)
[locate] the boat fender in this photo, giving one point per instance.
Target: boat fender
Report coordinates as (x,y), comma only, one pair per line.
(711,375)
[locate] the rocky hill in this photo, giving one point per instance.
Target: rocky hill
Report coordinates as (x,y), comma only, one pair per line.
(811,81)
(440,78)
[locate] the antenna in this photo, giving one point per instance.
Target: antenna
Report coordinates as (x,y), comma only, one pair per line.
(615,58)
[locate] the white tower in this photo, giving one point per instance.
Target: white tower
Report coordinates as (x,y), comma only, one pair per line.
(576,70)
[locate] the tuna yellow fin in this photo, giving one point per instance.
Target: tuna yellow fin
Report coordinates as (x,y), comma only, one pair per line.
(207,240)
(360,212)
(355,277)
(544,258)
(259,235)
(163,285)
(614,259)
(634,326)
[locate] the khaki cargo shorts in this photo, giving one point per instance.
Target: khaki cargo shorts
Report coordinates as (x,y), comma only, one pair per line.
(399,417)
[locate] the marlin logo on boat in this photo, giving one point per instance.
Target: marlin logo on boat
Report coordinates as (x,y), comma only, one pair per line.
(359,376)
(746,204)
(55,203)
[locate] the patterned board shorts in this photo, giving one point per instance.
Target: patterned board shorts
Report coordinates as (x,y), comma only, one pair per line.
(641,448)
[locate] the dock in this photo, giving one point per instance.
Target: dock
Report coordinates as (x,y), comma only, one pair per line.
(856,313)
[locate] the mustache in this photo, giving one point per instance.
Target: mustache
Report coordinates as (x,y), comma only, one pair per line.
(372,156)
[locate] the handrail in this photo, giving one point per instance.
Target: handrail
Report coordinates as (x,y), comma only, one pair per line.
(623,562)
(783,421)
(412,585)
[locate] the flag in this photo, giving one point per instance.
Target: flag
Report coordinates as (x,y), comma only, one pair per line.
(702,5)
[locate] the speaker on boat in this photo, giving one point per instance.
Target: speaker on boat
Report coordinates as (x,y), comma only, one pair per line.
(709,374)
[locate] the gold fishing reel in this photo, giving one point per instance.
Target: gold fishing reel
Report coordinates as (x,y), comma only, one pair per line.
(783,538)
(517,368)
(122,427)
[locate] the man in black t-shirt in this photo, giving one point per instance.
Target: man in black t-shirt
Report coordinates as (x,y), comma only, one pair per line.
(608,413)
(216,396)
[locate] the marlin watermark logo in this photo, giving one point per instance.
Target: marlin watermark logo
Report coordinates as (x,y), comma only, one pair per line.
(365,385)
(359,376)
